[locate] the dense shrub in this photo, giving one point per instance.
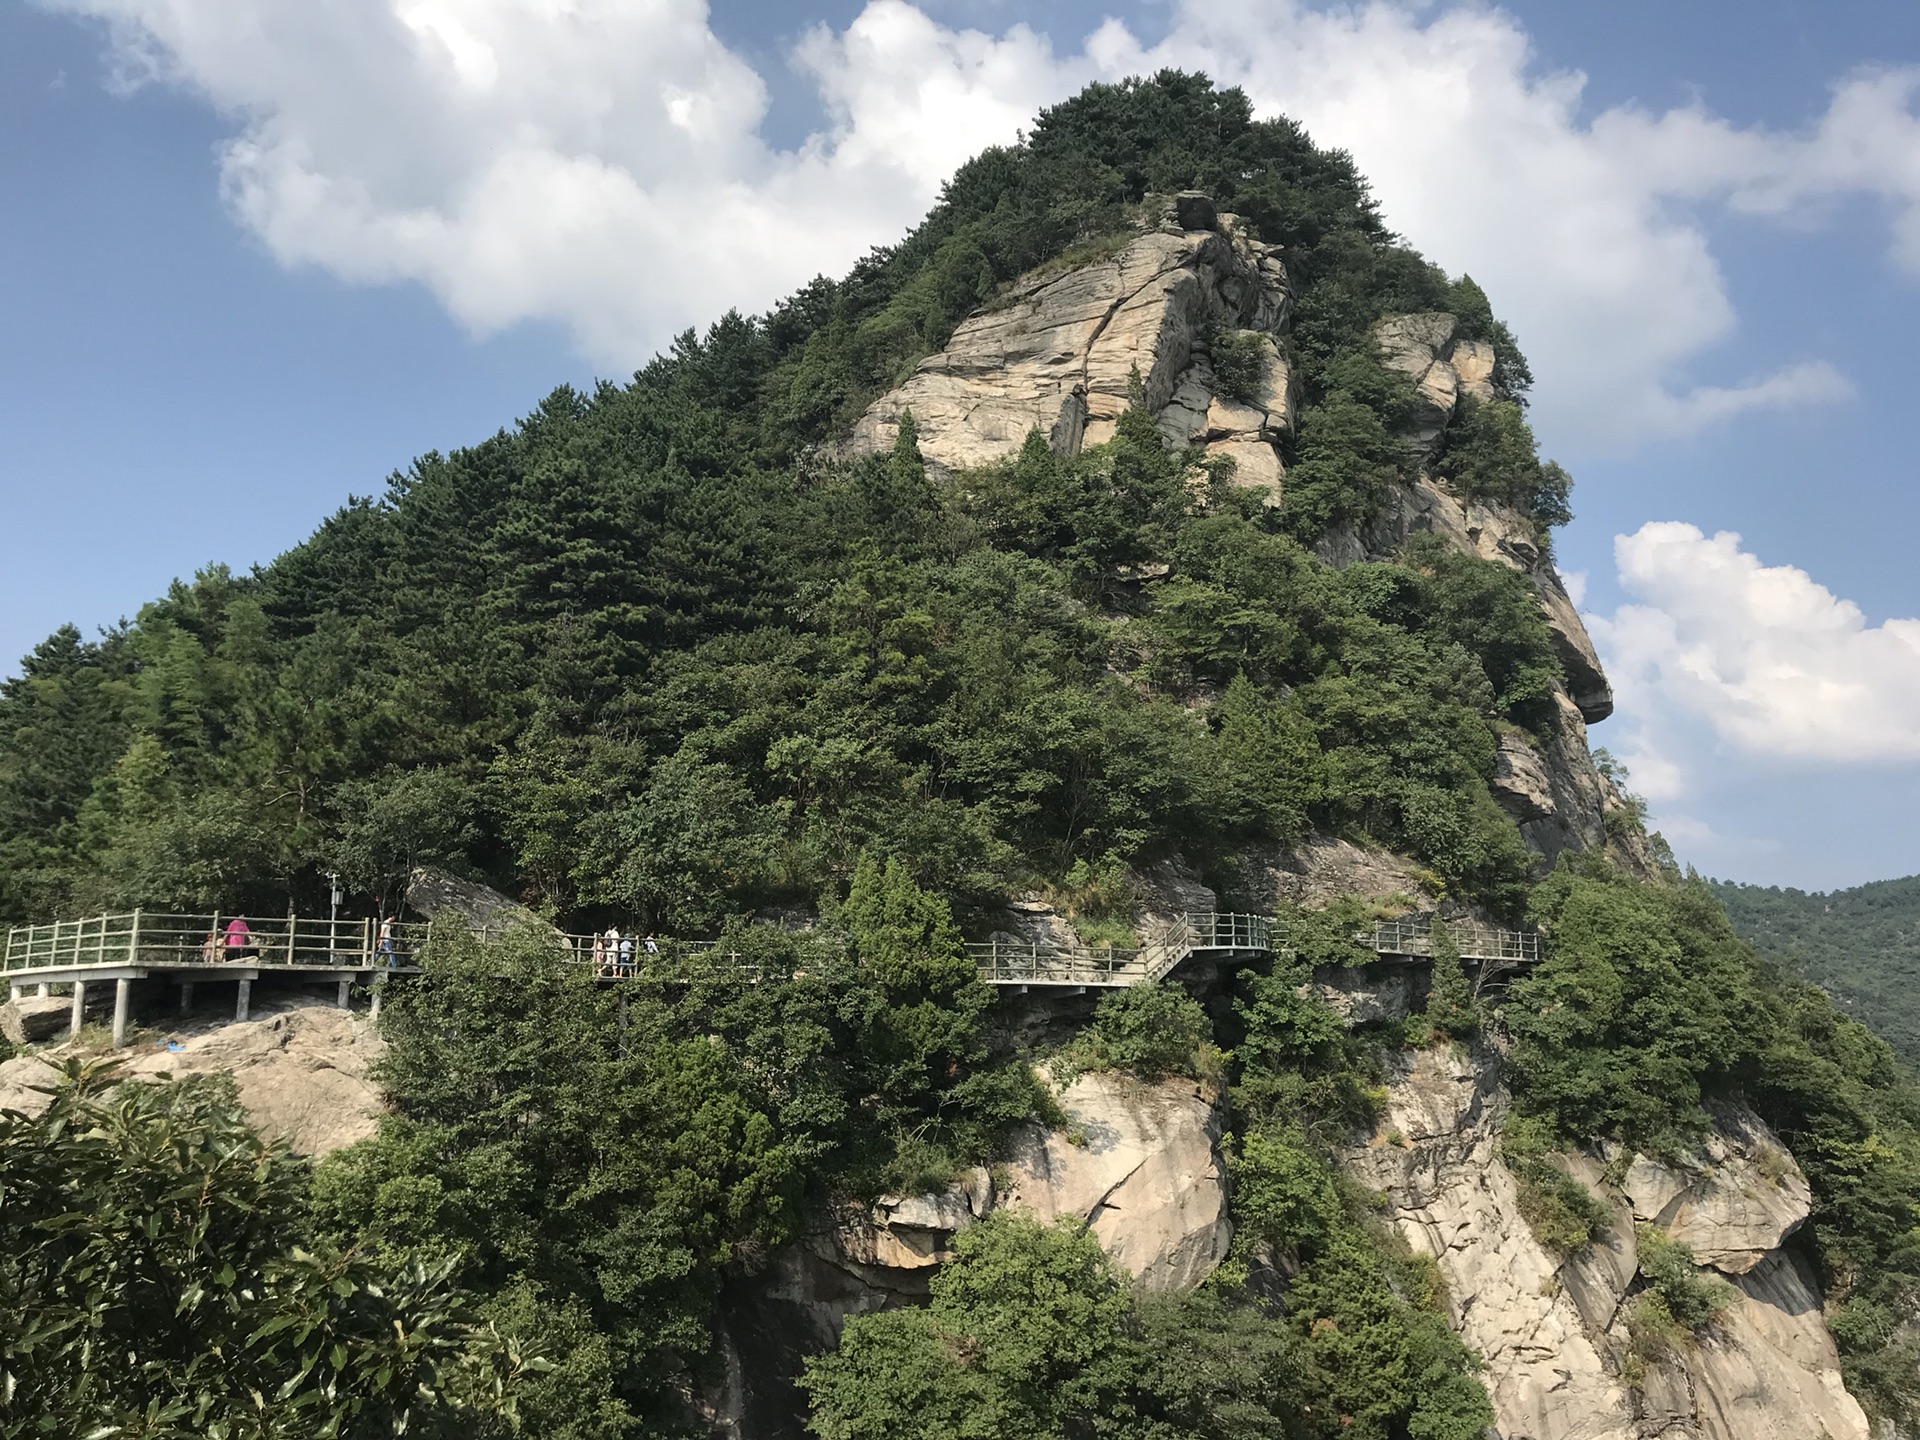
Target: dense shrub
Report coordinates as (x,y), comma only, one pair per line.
(1562,1213)
(160,1276)
(1239,363)
(1152,1031)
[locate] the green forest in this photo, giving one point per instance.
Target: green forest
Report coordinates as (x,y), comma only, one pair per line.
(650,656)
(1862,946)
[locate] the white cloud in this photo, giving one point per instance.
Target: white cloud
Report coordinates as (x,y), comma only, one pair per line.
(599,162)
(1772,662)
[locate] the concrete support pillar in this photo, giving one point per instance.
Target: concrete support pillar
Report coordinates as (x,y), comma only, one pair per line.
(79,1011)
(186,996)
(43,989)
(378,990)
(246,1000)
(346,995)
(13,990)
(122,990)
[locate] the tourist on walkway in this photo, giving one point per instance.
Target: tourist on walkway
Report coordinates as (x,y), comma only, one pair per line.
(626,956)
(653,945)
(384,948)
(612,960)
(239,939)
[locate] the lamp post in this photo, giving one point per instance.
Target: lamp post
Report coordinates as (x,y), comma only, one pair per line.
(333,916)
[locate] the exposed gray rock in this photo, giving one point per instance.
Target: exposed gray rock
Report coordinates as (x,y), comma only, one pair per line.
(1734,1198)
(1034,920)
(1598,1277)
(1195,211)
(1553,1332)
(434,892)
(1169,888)
(1454,1200)
(1371,996)
(1520,780)
(1256,466)
(1472,362)
(1768,1369)
(1319,869)
(1059,352)
(1140,1163)
(302,1070)
(1502,535)
(1417,346)
(40,1017)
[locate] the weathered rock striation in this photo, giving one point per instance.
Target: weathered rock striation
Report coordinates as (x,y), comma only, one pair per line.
(1139,1163)
(1553,1331)
(1061,353)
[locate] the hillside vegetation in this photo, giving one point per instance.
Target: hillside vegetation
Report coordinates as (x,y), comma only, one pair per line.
(1862,946)
(650,656)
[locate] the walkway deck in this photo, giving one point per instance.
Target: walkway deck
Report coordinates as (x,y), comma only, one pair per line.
(190,949)
(1169,944)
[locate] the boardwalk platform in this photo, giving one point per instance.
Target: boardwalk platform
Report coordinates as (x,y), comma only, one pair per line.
(189,950)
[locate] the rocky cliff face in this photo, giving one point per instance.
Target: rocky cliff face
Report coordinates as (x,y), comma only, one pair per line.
(1139,1163)
(1061,351)
(1064,352)
(1553,1331)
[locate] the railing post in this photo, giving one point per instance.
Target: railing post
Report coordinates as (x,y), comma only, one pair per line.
(133,941)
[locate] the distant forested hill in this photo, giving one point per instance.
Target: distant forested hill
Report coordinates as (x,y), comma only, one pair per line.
(1861,945)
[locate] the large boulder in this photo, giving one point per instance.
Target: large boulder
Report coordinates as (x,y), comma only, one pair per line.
(434,892)
(302,1071)
(1768,1369)
(32,1018)
(1141,1165)
(1735,1197)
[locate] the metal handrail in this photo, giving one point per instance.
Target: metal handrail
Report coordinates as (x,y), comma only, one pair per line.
(155,938)
(1171,941)
(1412,936)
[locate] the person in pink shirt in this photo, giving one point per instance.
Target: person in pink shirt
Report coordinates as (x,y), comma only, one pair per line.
(239,939)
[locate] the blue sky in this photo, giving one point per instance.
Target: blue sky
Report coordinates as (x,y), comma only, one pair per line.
(1712,260)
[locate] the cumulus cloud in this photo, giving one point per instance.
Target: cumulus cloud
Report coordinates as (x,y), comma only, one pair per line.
(1774,663)
(600,162)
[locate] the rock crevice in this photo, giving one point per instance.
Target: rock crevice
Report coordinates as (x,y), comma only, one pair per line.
(1553,1329)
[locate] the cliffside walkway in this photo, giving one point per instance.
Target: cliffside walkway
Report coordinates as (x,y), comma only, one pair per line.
(188,950)
(1411,937)
(1169,943)
(1229,937)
